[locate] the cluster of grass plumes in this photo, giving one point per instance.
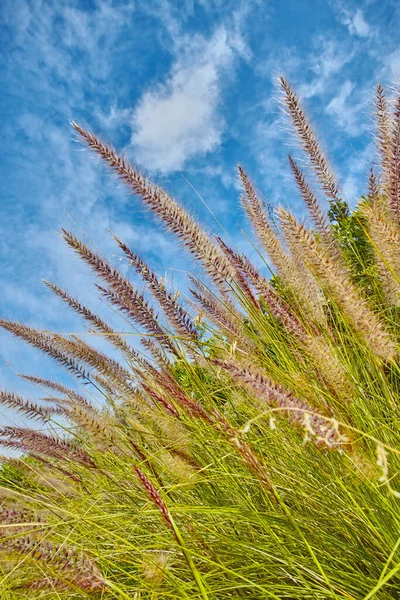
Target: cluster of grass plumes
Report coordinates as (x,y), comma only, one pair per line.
(250,446)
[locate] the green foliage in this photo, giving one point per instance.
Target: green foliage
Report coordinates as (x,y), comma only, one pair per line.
(350,231)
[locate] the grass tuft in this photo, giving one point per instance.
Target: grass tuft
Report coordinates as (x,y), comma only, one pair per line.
(249,447)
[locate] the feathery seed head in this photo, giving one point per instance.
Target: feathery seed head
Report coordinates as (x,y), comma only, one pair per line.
(309,142)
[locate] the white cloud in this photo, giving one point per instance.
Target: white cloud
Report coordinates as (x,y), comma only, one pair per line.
(356,23)
(181,118)
(360,25)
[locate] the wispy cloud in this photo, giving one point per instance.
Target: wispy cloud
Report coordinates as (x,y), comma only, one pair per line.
(347,110)
(352,14)
(392,65)
(355,22)
(326,61)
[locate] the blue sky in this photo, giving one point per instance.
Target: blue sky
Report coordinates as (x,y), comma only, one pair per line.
(186,90)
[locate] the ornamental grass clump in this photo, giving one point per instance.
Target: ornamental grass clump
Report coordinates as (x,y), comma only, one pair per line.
(249,446)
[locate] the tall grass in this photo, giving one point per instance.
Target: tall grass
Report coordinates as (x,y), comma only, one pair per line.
(250,447)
